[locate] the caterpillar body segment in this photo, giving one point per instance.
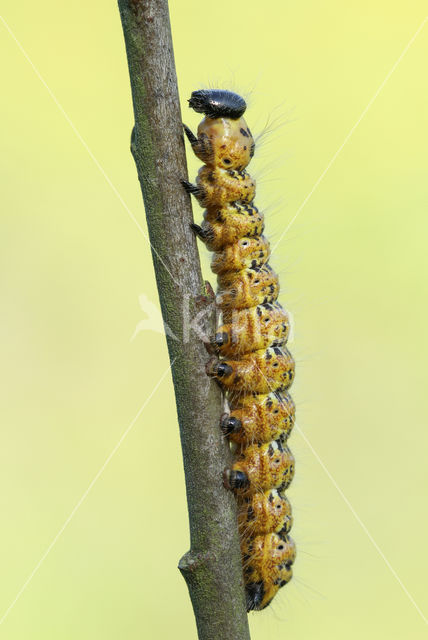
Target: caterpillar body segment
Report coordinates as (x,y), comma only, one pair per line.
(223,143)
(261,593)
(263,513)
(268,564)
(261,467)
(270,549)
(219,187)
(247,330)
(250,359)
(247,288)
(258,417)
(259,371)
(245,253)
(226,226)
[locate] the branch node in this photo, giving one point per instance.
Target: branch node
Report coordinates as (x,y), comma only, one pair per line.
(193,562)
(207,298)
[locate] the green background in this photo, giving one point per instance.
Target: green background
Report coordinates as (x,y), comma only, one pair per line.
(353,271)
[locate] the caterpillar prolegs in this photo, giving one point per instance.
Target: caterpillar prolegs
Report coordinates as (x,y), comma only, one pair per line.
(250,360)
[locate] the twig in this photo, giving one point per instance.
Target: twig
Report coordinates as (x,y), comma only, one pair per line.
(212,567)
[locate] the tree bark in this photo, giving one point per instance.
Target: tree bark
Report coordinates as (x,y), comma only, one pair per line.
(212,568)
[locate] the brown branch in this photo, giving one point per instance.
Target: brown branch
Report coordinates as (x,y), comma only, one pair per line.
(212,567)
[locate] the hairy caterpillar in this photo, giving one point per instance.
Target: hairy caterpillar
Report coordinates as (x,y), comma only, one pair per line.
(250,361)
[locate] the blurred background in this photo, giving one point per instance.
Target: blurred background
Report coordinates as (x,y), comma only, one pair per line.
(87,548)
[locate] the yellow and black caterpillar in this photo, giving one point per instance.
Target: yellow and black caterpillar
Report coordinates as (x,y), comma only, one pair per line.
(251,361)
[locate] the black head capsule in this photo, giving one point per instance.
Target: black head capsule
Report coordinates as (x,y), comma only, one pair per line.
(217,103)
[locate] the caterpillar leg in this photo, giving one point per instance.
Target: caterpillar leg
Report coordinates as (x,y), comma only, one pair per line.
(209,291)
(201,145)
(193,189)
(190,135)
(199,231)
(208,297)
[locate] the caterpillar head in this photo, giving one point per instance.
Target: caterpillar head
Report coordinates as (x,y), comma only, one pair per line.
(218,103)
(225,139)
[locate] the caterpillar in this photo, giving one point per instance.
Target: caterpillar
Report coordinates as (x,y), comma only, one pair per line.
(249,358)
